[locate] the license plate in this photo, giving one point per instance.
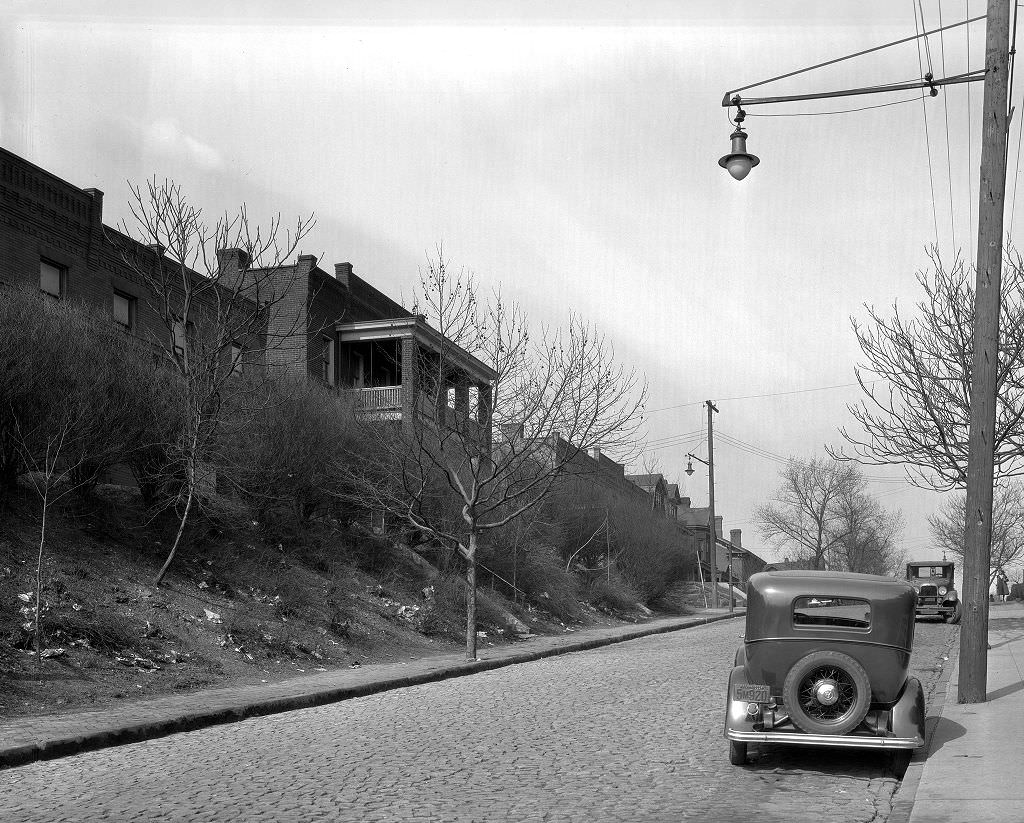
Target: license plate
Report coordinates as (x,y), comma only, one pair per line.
(751,692)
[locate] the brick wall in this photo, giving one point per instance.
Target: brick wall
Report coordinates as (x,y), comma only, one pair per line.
(43,217)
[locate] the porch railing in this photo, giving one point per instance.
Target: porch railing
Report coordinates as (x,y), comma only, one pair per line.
(379,398)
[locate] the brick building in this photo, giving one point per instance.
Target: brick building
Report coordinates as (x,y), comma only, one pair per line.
(334,326)
(52,237)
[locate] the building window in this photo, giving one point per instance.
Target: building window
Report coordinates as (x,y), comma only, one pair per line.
(328,374)
(178,338)
(237,358)
(124,310)
(51,278)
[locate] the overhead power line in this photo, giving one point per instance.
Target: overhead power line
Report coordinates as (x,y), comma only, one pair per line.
(768,394)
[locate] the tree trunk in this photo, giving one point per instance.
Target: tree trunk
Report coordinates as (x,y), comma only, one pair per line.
(471,598)
(39,580)
(191,479)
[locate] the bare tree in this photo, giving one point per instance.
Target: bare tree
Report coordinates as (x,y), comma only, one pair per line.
(71,408)
(808,509)
(948,527)
(919,416)
(218,294)
(869,534)
(548,399)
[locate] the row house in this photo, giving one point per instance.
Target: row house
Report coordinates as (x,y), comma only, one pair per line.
(357,340)
(331,325)
(744,561)
(52,237)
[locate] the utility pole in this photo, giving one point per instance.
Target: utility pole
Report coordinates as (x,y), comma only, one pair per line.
(972,684)
(712,534)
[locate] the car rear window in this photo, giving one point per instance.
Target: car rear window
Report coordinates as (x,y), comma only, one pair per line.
(825,610)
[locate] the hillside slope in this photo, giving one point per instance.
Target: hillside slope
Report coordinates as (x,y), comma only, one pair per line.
(239,606)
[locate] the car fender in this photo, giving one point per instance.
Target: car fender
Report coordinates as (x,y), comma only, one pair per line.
(736,718)
(908,713)
(951,596)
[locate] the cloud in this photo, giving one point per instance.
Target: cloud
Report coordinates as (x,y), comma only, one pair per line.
(167,138)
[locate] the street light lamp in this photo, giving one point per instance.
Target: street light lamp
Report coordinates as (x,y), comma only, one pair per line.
(738,162)
(712,531)
(713,536)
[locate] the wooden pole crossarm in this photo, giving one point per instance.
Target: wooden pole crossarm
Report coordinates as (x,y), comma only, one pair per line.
(968,77)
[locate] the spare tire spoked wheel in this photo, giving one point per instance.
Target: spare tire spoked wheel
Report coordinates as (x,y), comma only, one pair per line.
(827,692)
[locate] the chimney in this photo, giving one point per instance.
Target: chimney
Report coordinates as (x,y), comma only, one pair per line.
(596,453)
(342,273)
(736,537)
(685,502)
(230,261)
(718,525)
(97,205)
(512,432)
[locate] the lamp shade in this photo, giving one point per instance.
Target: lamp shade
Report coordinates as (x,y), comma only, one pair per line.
(738,162)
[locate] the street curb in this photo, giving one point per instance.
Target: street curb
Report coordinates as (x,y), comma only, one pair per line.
(200,719)
(906,794)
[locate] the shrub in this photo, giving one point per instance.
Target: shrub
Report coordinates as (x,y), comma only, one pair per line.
(107,631)
(68,375)
(537,569)
(611,596)
(284,455)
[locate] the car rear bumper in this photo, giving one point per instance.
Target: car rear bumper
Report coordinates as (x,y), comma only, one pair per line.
(850,741)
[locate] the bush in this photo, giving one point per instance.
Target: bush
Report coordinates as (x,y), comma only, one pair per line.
(69,376)
(611,596)
(107,630)
(537,570)
(284,456)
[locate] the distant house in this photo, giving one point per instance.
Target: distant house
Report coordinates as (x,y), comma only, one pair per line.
(656,488)
(744,561)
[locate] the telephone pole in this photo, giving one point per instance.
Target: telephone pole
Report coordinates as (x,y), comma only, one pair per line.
(972,684)
(712,533)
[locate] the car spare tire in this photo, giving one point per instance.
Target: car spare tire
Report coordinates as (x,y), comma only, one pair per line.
(827,692)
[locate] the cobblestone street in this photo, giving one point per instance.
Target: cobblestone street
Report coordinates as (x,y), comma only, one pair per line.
(629,732)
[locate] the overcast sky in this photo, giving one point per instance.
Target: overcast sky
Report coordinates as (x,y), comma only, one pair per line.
(568,152)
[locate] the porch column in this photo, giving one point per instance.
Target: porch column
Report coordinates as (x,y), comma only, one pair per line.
(407,354)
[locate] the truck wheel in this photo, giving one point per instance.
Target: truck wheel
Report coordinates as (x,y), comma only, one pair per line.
(954,616)
(737,753)
(827,692)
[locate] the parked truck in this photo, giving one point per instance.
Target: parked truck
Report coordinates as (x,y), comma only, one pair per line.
(936,592)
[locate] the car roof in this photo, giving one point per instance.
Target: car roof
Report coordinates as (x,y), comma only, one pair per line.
(825,583)
(929,562)
(772,595)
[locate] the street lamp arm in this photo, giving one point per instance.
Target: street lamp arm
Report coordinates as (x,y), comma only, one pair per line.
(966,77)
(851,56)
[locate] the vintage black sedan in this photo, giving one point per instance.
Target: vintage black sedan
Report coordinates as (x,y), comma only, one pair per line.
(824,662)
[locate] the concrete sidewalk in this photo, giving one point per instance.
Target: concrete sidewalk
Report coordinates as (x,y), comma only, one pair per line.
(23,740)
(972,770)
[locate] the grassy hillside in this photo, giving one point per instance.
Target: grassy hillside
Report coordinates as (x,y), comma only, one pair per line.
(239,606)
